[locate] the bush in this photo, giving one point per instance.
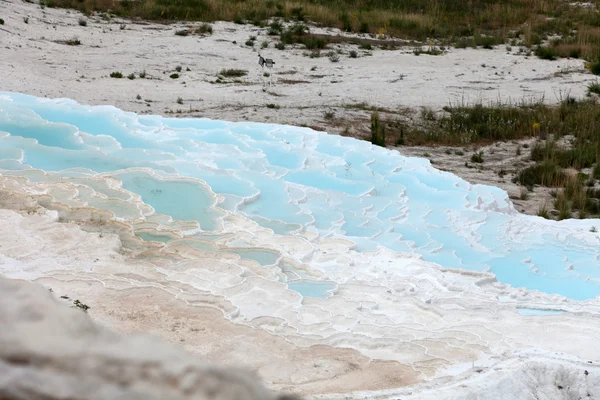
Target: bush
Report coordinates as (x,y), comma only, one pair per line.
(545,53)
(174,76)
(594,88)
(178,68)
(353,54)
(280,46)
(73,42)
(143,74)
(204,29)
(333,56)
(1,21)
(547,174)
(595,67)
(82,22)
(477,157)
(179,100)
(249,43)
(131,76)
(377,130)
(116,74)
(233,73)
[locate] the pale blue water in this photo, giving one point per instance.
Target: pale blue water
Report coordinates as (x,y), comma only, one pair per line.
(288,178)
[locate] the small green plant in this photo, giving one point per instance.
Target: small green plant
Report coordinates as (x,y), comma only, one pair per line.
(249,43)
(273,106)
(280,46)
(73,42)
(1,21)
(329,115)
(174,76)
(545,53)
(524,194)
(594,88)
(116,74)
(204,29)
(178,68)
(264,44)
(353,54)
(459,153)
(131,76)
(143,74)
(179,100)
(82,22)
(477,157)
(333,56)
(595,67)
(81,306)
(543,211)
(377,130)
(138,97)
(182,32)
(233,73)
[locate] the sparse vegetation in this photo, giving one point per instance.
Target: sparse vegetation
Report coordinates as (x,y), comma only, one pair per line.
(478,23)
(131,76)
(116,74)
(138,97)
(273,106)
(182,32)
(179,100)
(82,22)
(353,54)
(178,68)
(142,74)
(174,76)
(81,306)
(1,21)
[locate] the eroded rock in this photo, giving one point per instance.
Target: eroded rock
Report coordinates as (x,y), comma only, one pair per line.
(51,351)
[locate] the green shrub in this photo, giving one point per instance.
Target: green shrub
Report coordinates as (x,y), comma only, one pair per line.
(174,76)
(233,73)
(377,130)
(546,174)
(545,53)
(116,74)
(131,76)
(594,88)
(204,29)
(477,157)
